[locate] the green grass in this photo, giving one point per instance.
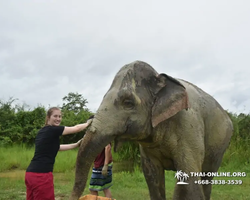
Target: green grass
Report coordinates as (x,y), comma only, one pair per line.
(16,157)
(127,185)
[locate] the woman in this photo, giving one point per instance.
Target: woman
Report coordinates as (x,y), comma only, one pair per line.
(39,177)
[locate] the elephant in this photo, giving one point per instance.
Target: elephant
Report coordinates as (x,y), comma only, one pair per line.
(178,127)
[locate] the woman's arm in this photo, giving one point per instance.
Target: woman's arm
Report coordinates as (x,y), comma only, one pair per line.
(65,147)
(77,128)
(107,154)
(106,161)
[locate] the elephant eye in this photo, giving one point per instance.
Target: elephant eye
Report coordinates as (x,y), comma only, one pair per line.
(128,104)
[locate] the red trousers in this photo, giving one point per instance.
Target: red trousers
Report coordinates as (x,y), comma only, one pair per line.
(39,186)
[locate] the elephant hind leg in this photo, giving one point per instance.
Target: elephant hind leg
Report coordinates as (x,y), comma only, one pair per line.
(211,164)
(207,188)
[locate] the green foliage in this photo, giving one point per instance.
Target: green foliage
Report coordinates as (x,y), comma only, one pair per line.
(74,112)
(129,151)
(70,118)
(7,122)
(238,153)
(20,126)
(244,126)
(28,123)
(74,102)
(17,125)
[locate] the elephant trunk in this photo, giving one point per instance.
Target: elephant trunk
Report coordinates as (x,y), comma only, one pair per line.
(92,144)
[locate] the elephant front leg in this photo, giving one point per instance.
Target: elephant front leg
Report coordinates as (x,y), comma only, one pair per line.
(155,178)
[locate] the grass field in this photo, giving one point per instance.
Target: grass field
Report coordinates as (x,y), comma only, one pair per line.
(127,185)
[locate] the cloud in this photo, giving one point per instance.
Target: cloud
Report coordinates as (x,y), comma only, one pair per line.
(51,48)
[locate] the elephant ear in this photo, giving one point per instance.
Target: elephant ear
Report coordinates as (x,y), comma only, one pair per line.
(170,99)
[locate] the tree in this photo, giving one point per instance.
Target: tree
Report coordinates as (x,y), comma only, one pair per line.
(74,111)
(74,102)
(244,126)
(7,124)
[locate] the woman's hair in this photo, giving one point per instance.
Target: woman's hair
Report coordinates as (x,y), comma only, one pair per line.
(49,113)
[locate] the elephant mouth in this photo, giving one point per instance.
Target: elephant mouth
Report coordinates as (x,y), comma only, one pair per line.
(130,131)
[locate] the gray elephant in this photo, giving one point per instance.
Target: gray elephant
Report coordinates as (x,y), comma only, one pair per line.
(177,125)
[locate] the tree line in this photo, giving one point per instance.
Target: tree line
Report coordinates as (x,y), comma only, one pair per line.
(19,125)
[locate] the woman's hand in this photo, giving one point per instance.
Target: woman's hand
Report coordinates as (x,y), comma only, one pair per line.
(79,142)
(89,121)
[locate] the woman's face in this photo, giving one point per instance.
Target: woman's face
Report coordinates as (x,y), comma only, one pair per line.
(55,119)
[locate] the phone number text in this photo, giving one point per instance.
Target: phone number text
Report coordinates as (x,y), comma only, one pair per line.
(219,182)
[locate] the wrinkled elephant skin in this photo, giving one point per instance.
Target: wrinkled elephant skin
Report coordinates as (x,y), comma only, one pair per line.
(177,125)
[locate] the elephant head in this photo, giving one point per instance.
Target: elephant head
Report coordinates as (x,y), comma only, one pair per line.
(138,100)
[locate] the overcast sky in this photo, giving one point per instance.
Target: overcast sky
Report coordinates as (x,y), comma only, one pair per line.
(51,48)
